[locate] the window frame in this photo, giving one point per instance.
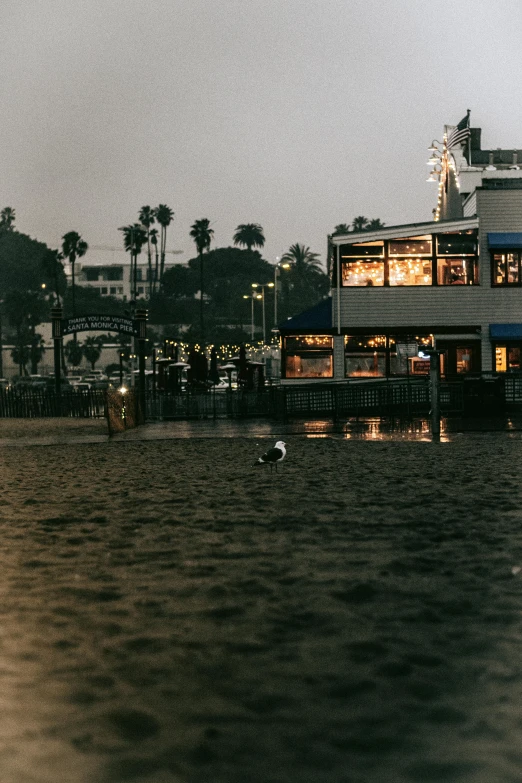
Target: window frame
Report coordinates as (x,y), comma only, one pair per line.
(349,258)
(318,350)
(506,252)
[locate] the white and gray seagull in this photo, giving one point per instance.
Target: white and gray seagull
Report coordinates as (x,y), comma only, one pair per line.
(272,456)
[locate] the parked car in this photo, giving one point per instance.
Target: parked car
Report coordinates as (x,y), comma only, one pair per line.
(4,383)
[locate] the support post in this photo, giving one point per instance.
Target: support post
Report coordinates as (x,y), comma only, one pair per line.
(435,392)
(141,323)
(56,320)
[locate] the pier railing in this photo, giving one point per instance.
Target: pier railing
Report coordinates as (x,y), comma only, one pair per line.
(399,397)
(26,403)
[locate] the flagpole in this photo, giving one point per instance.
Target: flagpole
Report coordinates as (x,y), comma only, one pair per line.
(469,139)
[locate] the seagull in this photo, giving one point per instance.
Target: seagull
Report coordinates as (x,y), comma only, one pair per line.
(272,456)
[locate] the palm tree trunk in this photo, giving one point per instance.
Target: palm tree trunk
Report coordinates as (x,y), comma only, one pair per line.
(201,316)
(149,255)
(156,268)
(163,245)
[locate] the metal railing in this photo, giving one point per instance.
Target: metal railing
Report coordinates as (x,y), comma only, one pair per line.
(24,403)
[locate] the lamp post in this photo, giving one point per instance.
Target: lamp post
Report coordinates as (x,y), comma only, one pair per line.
(262,296)
(252,296)
(277,271)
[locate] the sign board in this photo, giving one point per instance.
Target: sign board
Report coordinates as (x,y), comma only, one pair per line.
(407,350)
(100,323)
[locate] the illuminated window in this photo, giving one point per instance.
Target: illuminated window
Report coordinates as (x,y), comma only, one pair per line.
(506,268)
(378,355)
(507,358)
(464,359)
(410,271)
(457,271)
(365,356)
(361,272)
(308,356)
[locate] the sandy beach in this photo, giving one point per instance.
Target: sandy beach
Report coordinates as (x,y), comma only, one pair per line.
(172,615)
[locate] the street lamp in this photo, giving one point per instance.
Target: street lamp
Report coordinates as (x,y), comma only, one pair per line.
(277,271)
(252,296)
(262,296)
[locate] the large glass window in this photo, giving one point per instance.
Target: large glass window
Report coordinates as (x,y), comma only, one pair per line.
(410,271)
(363,272)
(308,356)
(410,246)
(378,355)
(457,244)
(506,268)
(456,271)
(409,261)
(365,356)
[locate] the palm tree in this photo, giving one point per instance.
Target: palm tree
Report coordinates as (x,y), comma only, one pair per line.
(374,225)
(342,228)
(359,223)
(202,235)
(305,278)
(153,235)
(7,218)
(92,349)
(301,258)
(164,216)
(134,237)
(52,268)
(249,235)
(147,219)
(73,247)
(74,352)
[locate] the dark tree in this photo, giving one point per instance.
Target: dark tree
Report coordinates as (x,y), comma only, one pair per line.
(73,247)
(202,235)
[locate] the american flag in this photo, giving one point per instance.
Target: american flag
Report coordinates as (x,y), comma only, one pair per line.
(460,132)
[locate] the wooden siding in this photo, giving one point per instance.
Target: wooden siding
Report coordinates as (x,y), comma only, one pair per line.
(499,210)
(376,307)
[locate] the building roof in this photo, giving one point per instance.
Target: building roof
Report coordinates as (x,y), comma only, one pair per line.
(406,230)
(316,318)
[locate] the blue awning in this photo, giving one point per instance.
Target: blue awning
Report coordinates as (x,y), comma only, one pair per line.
(316,318)
(505,331)
(506,240)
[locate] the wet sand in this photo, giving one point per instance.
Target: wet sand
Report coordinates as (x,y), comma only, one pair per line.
(172,615)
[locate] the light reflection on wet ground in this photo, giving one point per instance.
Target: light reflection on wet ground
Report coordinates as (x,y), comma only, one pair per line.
(368,429)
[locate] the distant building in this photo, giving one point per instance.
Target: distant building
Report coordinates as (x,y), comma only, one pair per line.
(113,279)
(453,283)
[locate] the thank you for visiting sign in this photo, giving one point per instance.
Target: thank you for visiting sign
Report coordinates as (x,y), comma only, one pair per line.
(100,323)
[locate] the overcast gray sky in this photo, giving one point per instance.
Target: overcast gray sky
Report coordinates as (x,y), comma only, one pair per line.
(295,114)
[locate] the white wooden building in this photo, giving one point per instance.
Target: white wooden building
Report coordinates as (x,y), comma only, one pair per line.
(454,283)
